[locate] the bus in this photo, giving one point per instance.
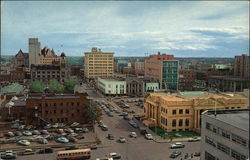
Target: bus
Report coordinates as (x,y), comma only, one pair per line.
(78,154)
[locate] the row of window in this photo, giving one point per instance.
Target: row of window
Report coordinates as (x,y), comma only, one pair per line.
(54,112)
(59,104)
(225,149)
(174,111)
(226,134)
(180,122)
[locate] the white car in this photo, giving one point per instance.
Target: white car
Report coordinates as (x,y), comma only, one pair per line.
(149,136)
(177,145)
(133,135)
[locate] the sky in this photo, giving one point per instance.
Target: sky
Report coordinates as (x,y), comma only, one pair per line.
(135,28)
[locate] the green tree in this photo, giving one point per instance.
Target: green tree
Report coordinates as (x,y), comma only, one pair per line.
(55,86)
(37,87)
(69,85)
(93,112)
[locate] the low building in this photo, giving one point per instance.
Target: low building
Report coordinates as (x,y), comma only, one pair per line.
(182,111)
(19,74)
(139,87)
(111,86)
(40,109)
(225,135)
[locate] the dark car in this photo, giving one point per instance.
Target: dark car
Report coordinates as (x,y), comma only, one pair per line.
(197,154)
(92,147)
(45,151)
(71,148)
(110,137)
(175,154)
(126,117)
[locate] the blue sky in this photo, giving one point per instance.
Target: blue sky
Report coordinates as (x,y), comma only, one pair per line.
(185,29)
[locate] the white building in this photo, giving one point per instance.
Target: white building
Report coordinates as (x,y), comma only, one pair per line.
(111,86)
(225,135)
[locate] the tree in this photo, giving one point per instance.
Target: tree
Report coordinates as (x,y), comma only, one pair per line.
(69,85)
(37,86)
(93,112)
(55,86)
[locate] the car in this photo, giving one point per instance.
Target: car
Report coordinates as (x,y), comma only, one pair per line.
(126,117)
(73,135)
(69,130)
(148,136)
(42,141)
(104,128)
(18,133)
(197,154)
(9,154)
(45,132)
(143,131)
(15,126)
(62,140)
(27,133)
(133,123)
(10,134)
(72,139)
(177,145)
(110,114)
(45,150)
(110,137)
(75,124)
(194,139)
(133,135)
(71,148)
(115,156)
(85,130)
(55,125)
(24,142)
(92,147)
(48,126)
(60,131)
(28,152)
(175,154)
(123,114)
(36,132)
(122,139)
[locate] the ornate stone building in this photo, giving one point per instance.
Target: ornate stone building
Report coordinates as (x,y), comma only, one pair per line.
(182,111)
(21,59)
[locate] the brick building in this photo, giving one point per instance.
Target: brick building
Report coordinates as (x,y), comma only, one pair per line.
(50,108)
(186,80)
(241,66)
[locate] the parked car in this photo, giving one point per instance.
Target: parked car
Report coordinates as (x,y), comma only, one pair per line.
(28,152)
(71,148)
(175,154)
(24,142)
(194,139)
(42,141)
(36,132)
(15,126)
(143,130)
(197,154)
(110,114)
(177,145)
(92,147)
(75,124)
(27,133)
(133,123)
(85,130)
(69,130)
(9,154)
(115,156)
(110,137)
(9,134)
(60,131)
(104,128)
(126,117)
(73,135)
(133,135)
(149,136)
(45,132)
(122,139)
(62,140)
(72,139)
(18,133)
(45,151)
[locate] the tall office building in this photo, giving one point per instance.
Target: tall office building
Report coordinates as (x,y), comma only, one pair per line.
(164,69)
(34,51)
(225,135)
(241,66)
(98,64)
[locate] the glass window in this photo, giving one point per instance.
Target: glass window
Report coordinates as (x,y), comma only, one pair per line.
(239,140)
(173,123)
(180,122)
(210,141)
(174,111)
(180,111)
(209,156)
(223,148)
(187,122)
(187,111)
(237,155)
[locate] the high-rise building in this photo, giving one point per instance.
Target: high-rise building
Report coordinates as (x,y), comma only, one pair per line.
(225,135)
(164,69)
(241,66)
(98,64)
(34,51)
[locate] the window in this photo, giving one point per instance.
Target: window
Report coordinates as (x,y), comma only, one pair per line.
(208,126)
(214,129)
(223,148)
(54,111)
(173,123)
(166,122)
(210,141)
(72,103)
(187,111)
(225,133)
(174,112)
(239,140)
(237,155)
(180,122)
(61,111)
(187,122)
(61,104)
(54,104)
(209,156)
(180,111)
(78,104)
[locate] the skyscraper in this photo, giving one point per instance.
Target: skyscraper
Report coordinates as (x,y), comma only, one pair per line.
(34,51)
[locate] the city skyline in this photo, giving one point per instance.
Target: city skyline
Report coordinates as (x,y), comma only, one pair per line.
(128,28)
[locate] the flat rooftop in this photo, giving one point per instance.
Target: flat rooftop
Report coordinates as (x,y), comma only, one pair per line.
(238,117)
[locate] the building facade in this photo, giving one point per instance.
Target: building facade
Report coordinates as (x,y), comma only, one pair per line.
(241,66)
(46,72)
(186,80)
(111,86)
(98,64)
(138,67)
(34,51)
(182,111)
(21,59)
(40,109)
(225,135)
(164,69)
(48,56)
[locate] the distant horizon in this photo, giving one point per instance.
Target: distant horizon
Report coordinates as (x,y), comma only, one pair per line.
(128,27)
